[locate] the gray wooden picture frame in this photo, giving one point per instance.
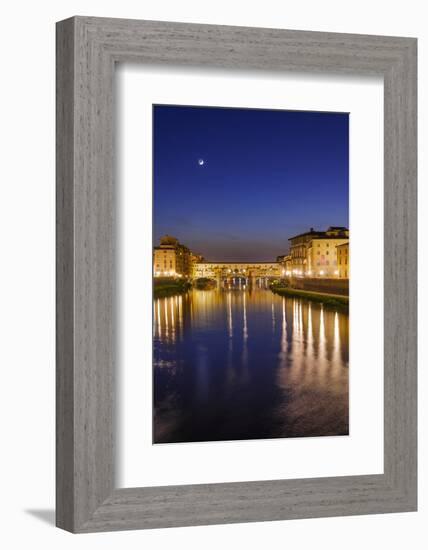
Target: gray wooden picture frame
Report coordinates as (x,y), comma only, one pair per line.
(87,50)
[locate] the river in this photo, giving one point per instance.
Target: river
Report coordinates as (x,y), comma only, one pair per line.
(244,363)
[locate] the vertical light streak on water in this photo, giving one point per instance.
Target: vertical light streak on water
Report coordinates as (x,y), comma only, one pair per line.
(245,338)
(166,319)
(229,313)
(283,352)
(230,366)
(177,315)
(273,318)
(159,319)
(191,306)
(155,328)
(171,303)
(180,315)
(298,343)
(284,343)
(322,351)
(303,343)
(245,327)
(310,337)
(322,331)
(295,326)
(336,358)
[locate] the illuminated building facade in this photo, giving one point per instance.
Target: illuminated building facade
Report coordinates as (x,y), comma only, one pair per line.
(171,259)
(195,259)
(314,254)
(343,260)
(286,264)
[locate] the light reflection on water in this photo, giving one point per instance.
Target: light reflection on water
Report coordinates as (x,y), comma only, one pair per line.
(248,364)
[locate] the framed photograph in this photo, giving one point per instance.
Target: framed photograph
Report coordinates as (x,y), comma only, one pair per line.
(236,274)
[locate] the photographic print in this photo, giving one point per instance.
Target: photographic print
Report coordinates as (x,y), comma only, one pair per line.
(251,268)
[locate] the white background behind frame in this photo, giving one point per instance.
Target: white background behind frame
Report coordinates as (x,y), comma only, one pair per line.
(28,310)
(139,462)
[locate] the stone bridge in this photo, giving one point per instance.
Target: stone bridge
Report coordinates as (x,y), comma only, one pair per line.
(224,271)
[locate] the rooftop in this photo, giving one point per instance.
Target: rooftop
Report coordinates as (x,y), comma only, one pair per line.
(338,233)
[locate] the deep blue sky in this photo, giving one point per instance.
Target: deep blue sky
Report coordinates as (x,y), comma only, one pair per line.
(267,175)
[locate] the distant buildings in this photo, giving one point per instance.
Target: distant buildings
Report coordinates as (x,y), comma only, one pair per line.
(315,254)
(196,258)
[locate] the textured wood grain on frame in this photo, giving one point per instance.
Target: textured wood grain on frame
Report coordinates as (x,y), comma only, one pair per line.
(87,50)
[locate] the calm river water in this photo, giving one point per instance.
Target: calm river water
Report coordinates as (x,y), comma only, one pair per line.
(244,363)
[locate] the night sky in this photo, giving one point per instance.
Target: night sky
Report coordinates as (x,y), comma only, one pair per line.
(266,175)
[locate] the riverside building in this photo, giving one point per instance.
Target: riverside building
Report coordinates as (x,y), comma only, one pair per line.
(343,260)
(315,253)
(171,258)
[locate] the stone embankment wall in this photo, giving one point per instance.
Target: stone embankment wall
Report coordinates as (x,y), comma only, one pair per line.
(329,286)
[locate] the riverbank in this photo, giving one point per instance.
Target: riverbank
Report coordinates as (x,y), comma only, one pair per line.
(169,287)
(334,301)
